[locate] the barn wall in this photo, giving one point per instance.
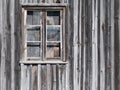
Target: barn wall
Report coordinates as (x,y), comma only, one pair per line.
(92,47)
(96,45)
(9,44)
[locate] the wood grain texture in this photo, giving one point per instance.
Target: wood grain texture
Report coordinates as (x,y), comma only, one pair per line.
(92,46)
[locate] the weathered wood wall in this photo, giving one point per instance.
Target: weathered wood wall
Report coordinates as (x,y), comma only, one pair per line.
(9,44)
(92,48)
(96,45)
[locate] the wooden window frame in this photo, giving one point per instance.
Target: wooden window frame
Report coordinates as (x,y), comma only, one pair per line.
(43,40)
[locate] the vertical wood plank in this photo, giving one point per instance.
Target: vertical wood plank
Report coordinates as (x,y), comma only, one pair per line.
(67,77)
(102,57)
(84,45)
(49,77)
(31,78)
(75,38)
(27,77)
(12,7)
(80,45)
(63,71)
(39,77)
(94,45)
(3,43)
(44,75)
(34,77)
(1,52)
(23,77)
(54,75)
(108,63)
(112,46)
(59,78)
(116,45)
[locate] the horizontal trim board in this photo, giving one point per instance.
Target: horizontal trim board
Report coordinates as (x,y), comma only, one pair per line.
(43,62)
(44,5)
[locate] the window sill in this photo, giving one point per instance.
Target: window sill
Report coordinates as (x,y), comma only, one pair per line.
(43,62)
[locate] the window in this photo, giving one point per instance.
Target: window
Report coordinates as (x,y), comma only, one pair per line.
(44,34)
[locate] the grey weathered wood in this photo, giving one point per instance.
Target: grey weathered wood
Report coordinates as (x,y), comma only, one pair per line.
(92,39)
(34,77)
(48,77)
(112,47)
(80,45)
(44,75)
(84,47)
(28,78)
(94,45)
(75,70)
(67,77)
(63,71)
(59,77)
(12,44)
(54,84)
(23,77)
(39,76)
(102,53)
(3,43)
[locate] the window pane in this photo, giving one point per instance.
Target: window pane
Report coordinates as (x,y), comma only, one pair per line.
(34,18)
(53,34)
(53,50)
(34,34)
(33,50)
(53,17)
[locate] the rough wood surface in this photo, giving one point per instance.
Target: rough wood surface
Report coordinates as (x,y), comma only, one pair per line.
(92,48)
(100,40)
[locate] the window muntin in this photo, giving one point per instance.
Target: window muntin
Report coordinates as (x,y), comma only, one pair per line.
(44,35)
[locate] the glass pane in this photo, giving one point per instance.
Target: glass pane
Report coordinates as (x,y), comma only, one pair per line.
(53,34)
(33,50)
(53,17)
(34,34)
(53,50)
(34,18)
